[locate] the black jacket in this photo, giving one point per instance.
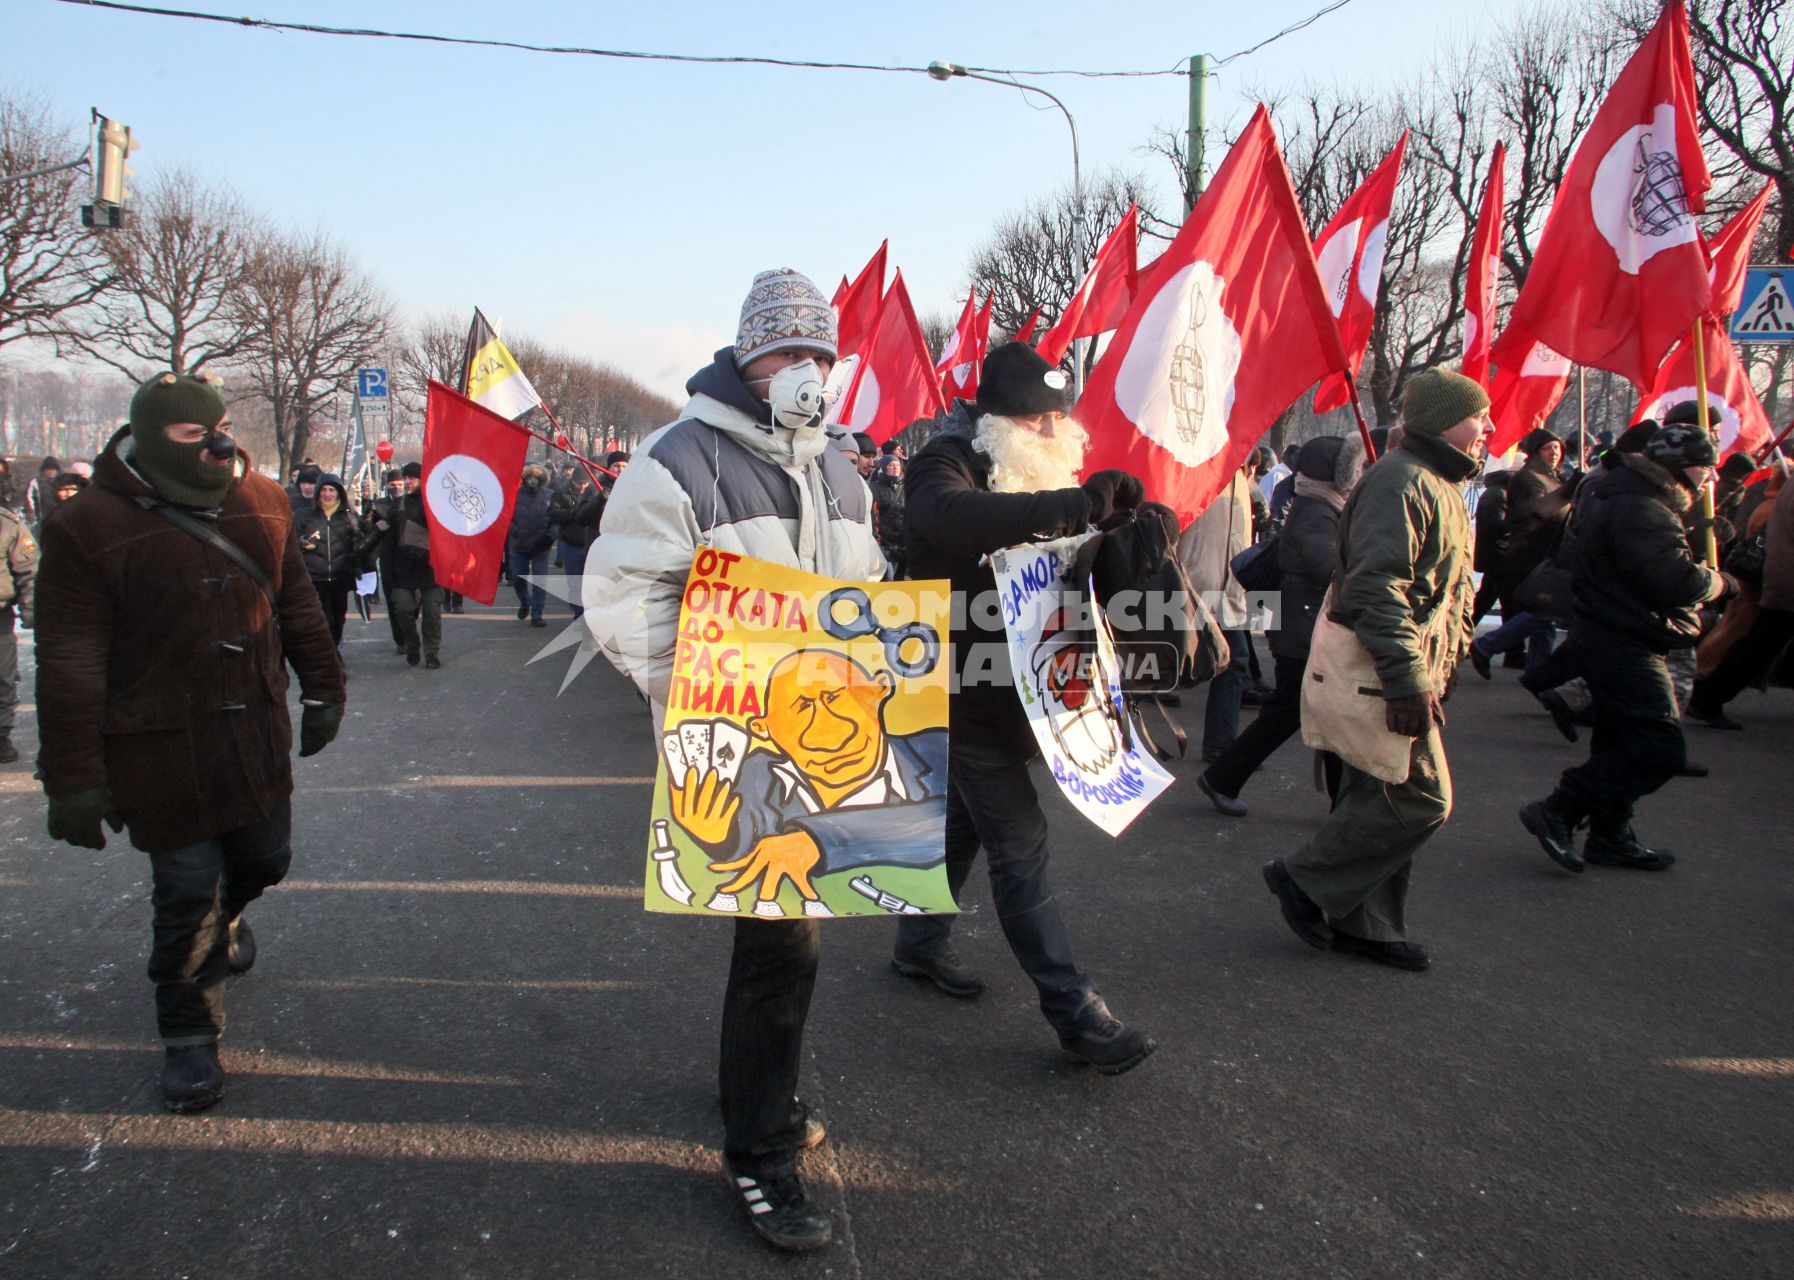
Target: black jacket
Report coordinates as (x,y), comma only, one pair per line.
(888,507)
(1627,553)
(407,568)
(1537,507)
(1491,520)
(329,544)
(953,519)
(530,530)
(575,522)
(1307,554)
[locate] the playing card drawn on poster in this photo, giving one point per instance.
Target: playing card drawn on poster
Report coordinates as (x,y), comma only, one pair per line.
(803,762)
(1069,682)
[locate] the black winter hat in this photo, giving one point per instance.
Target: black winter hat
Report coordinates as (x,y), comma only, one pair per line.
(1738,466)
(1334,460)
(49,464)
(1684,413)
(1016,381)
(867,446)
(412,471)
(1537,439)
(1634,438)
(1680,445)
(310,473)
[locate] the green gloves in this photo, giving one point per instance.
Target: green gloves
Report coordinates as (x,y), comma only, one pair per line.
(76,818)
(318,724)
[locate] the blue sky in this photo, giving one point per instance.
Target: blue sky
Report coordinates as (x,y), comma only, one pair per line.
(620,209)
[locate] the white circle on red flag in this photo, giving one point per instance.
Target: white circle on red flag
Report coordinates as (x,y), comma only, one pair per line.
(464,495)
(1176,380)
(1638,199)
(1335,263)
(1727,419)
(1542,362)
(1370,265)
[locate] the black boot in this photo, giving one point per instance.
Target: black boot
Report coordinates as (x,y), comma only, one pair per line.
(1624,849)
(1555,831)
(1107,1043)
(1300,912)
(192,1080)
(944,968)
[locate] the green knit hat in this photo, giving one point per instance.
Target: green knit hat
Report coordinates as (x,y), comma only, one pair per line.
(1436,400)
(176,397)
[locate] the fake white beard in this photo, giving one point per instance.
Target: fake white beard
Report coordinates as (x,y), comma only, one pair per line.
(1024,461)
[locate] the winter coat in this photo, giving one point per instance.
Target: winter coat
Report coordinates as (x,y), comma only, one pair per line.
(1627,553)
(530,522)
(1491,520)
(954,520)
(1307,553)
(1538,504)
(1778,565)
(18,567)
(1213,539)
(889,516)
(720,476)
(328,543)
(407,568)
(564,513)
(161,672)
(1404,552)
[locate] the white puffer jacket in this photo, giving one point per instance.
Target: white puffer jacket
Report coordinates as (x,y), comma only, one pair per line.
(718,477)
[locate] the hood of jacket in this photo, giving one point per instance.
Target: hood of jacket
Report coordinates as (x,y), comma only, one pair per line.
(341,488)
(719,398)
(1661,478)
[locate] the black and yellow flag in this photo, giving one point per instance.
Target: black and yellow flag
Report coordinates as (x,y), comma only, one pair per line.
(490,376)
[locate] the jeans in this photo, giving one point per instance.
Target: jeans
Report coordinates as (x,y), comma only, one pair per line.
(406,603)
(1534,630)
(534,599)
(991,802)
(1221,718)
(1636,746)
(771,975)
(197,891)
(573,564)
(1278,720)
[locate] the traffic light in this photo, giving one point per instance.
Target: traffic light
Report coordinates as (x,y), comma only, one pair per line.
(112,147)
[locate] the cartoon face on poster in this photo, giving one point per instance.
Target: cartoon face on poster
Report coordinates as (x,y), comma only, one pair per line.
(1068,679)
(803,763)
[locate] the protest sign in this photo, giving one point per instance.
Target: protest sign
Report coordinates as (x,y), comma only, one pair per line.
(803,762)
(1069,682)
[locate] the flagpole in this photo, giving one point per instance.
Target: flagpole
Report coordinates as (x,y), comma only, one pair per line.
(1582,417)
(1709,542)
(592,468)
(1370,448)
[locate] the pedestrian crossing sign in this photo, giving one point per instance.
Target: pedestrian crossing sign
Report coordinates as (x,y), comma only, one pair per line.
(1766,308)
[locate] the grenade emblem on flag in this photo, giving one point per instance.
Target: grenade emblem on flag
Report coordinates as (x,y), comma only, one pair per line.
(1659,200)
(1188,378)
(465,498)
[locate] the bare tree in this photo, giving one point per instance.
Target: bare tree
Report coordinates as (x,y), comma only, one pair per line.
(313,316)
(1035,259)
(45,255)
(174,272)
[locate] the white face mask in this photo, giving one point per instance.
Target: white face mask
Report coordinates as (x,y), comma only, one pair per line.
(795,395)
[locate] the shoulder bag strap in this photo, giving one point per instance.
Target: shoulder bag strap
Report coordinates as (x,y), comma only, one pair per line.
(211,536)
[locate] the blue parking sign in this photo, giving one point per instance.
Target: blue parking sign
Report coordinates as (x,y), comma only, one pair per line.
(370,384)
(1766,306)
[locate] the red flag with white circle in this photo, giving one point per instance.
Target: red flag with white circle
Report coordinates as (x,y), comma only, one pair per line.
(1349,253)
(473,463)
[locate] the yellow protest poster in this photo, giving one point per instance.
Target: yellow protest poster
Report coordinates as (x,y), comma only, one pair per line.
(803,762)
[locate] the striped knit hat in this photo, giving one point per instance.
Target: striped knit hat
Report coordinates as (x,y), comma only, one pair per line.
(784,310)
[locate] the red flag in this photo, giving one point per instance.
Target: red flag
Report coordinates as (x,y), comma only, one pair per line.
(473,462)
(1027,330)
(1730,251)
(1620,273)
(958,365)
(858,310)
(1529,381)
(1234,329)
(1103,298)
(1349,253)
(981,331)
(840,293)
(1485,270)
(1732,404)
(895,383)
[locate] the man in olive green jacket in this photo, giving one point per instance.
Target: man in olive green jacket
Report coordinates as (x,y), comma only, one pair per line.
(1404,553)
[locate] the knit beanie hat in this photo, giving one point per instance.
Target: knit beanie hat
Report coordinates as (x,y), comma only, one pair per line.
(783,310)
(868,448)
(1436,400)
(310,473)
(1684,413)
(412,471)
(1016,380)
(1537,439)
(175,469)
(1678,445)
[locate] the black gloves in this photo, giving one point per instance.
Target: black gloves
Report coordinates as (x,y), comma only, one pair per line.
(76,817)
(318,723)
(1413,715)
(1111,491)
(1728,587)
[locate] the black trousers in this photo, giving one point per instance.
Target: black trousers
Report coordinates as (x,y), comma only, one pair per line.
(197,891)
(771,976)
(9,672)
(991,803)
(1636,745)
(333,594)
(1278,720)
(1746,662)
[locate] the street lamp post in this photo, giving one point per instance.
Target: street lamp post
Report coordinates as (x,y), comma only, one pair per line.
(948,70)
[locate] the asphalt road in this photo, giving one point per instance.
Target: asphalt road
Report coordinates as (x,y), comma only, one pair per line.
(466,1050)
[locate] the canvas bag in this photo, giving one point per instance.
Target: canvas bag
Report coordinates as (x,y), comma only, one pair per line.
(1342,695)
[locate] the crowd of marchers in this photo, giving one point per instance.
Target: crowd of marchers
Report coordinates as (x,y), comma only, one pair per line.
(178,585)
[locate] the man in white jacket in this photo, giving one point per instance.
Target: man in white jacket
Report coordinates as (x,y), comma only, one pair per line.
(745,469)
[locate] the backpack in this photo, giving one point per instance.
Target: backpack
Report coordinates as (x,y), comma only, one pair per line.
(1166,637)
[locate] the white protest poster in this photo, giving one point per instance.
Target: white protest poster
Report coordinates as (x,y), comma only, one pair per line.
(1069,682)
